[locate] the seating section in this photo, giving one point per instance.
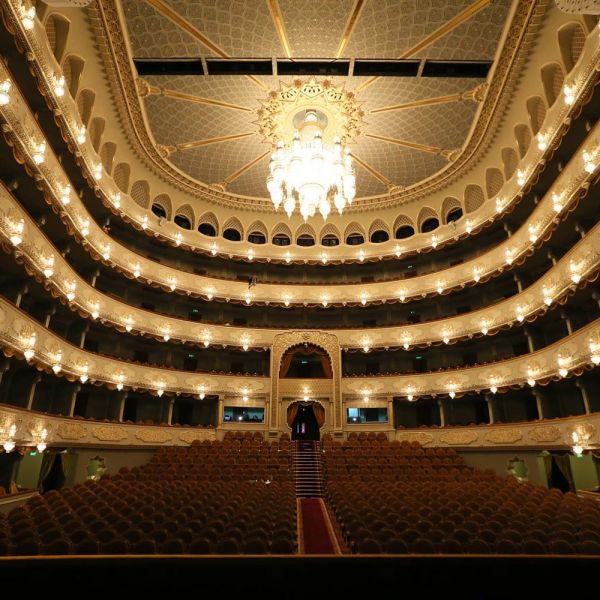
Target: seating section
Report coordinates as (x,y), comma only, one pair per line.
(402,498)
(228,497)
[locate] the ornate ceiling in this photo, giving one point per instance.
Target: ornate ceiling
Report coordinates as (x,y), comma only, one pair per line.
(209,124)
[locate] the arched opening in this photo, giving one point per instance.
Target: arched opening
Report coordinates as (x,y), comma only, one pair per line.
(281,239)
(233,235)
(306,420)
(379,236)
(454,215)
(330,240)
(429,225)
(257,237)
(305,362)
(158,210)
(183,222)
(404,232)
(355,239)
(207,229)
(305,240)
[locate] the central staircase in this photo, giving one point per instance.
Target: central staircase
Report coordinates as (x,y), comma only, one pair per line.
(307,465)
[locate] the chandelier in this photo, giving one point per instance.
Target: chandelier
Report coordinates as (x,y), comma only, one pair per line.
(309,173)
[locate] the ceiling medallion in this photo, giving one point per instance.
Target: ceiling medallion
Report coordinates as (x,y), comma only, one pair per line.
(310,125)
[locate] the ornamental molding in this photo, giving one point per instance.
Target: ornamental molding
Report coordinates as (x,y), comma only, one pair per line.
(459,438)
(545,433)
(192,436)
(415,436)
(71,431)
(109,433)
(275,117)
(504,436)
(108,29)
(153,435)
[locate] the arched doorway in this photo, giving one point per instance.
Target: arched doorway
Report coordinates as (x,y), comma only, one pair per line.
(306,420)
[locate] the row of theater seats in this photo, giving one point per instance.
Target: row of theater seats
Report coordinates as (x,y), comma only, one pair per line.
(385,506)
(150,510)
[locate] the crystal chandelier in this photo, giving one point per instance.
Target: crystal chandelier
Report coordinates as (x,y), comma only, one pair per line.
(310,173)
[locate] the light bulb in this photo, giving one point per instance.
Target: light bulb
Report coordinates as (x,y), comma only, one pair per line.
(117,200)
(39,153)
(178,239)
(71,287)
(29,353)
(56,368)
(137,271)
(509,257)
(128,324)
(166,336)
(468,226)
(499,204)
(402,295)
(589,163)
(213,249)
(106,253)
(533,234)
(445,337)
(248,298)
(250,255)
(410,397)
(286,300)
(209,294)
(65,197)
(363,299)
(557,204)
(324,258)
(521,178)
(575,275)
(434,241)
(4,92)
(9,446)
(144,222)
(484,328)
(569,94)
(41,447)
(440,287)
(476,276)
(85,227)
(97,171)
(452,394)
(201,392)
(49,267)
(27,17)
(81,135)
(288,258)
(84,375)
(324,302)
(361,256)
(173,284)
(542,141)
(160,391)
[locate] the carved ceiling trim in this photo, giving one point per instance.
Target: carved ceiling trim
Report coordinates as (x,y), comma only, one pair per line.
(108,28)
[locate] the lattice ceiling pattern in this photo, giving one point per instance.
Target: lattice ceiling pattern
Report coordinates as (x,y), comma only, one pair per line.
(311,28)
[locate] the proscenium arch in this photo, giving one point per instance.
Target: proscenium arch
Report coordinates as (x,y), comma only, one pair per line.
(324,340)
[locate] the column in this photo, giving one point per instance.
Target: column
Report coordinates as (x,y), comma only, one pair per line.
(49,316)
(517,280)
(390,409)
(122,406)
(95,276)
(83,333)
(489,399)
(76,390)
(580,230)
(22,292)
(584,395)
(551,257)
(220,413)
(539,403)
(170,411)
(442,413)
(507,230)
(34,382)
(530,344)
(565,318)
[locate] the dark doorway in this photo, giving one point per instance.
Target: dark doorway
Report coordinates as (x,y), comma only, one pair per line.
(305,425)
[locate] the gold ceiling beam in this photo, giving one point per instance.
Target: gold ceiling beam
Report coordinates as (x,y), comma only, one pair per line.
(406,144)
(279,26)
(417,103)
(200,100)
(215,140)
(244,169)
(367,167)
(351,23)
(164,9)
(440,32)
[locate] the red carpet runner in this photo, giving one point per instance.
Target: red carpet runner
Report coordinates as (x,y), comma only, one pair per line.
(316,535)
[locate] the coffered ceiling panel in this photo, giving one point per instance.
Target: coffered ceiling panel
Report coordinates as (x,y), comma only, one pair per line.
(194,109)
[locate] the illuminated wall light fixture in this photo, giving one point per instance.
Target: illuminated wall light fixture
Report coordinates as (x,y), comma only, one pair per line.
(84,374)
(95,310)
(440,287)
(166,335)
(248,298)
(48,266)
(137,271)
(5,92)
(85,227)
(71,287)
(210,294)
(29,351)
(201,392)
(366,397)
(82,135)
(288,258)
(27,17)
(542,141)
(452,391)
(117,200)
(324,301)
(434,241)
(366,345)
(286,300)
(446,337)
(562,366)
(410,395)
(128,324)
(213,249)
(324,258)
(533,236)
(245,343)
(106,253)
(398,252)
(493,385)
(402,295)
(557,203)
(569,94)
(406,342)
(120,380)
(178,239)
(39,154)
(56,366)
(173,284)
(468,226)
(575,274)
(145,222)
(160,390)
(476,274)
(589,162)
(521,178)
(65,197)
(508,255)
(361,255)
(97,171)
(595,352)
(484,327)
(530,377)
(547,296)
(16,232)
(520,316)
(250,255)
(499,205)
(363,299)
(206,341)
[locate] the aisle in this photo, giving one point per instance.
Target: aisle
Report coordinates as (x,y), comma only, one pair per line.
(315,532)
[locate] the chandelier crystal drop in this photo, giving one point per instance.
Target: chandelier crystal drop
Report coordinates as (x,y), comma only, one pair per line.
(310,174)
